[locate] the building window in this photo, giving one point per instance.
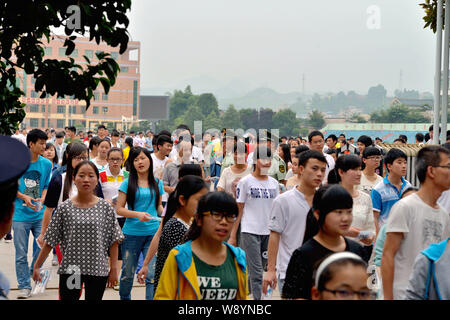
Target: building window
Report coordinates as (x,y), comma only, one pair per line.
(47,51)
(43,109)
(135,94)
(49,124)
(61,109)
(60,123)
(95,110)
(96,95)
(71,123)
(73,109)
(34,108)
(42,123)
(34,123)
(89,53)
(105,110)
(34,94)
(115,55)
(124,69)
(104,96)
(62,52)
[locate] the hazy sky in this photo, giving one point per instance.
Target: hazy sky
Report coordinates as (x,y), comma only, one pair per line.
(273,42)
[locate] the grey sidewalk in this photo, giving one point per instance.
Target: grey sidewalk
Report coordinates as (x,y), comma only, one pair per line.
(7,267)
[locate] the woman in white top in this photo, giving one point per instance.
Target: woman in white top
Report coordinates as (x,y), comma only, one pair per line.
(369,179)
(231,175)
(101,161)
(347,172)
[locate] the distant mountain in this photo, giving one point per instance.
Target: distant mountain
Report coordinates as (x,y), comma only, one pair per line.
(261,98)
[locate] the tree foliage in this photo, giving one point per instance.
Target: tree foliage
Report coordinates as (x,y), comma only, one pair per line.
(25,25)
(316,119)
(398,114)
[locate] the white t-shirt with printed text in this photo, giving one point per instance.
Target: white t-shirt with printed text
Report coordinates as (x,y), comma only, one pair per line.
(258,196)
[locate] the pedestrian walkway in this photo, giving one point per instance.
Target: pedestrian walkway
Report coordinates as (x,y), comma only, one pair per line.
(7,266)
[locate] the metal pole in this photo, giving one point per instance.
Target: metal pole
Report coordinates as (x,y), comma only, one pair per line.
(445,83)
(437,77)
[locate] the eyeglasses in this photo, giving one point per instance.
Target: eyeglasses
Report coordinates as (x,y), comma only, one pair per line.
(115,160)
(218,216)
(376,158)
(81,158)
(447,166)
(349,294)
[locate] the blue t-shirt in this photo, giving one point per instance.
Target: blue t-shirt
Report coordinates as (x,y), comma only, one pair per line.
(384,195)
(144,202)
(32,183)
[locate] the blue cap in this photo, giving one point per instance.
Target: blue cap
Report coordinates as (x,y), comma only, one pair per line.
(15,159)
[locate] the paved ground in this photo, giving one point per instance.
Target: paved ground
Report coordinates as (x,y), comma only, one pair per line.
(7,266)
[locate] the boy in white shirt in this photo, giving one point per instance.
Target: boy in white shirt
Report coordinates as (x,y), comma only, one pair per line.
(255,194)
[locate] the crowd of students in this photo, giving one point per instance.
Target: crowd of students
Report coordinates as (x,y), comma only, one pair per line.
(226,216)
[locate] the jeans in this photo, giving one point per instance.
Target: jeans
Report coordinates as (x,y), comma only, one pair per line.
(255,247)
(22,231)
(132,247)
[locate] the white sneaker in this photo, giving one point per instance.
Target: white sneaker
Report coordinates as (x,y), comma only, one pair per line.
(24,294)
(55,261)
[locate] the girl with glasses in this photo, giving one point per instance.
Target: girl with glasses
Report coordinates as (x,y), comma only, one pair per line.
(341,276)
(371,158)
(206,267)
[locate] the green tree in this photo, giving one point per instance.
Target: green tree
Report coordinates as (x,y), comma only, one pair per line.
(357,118)
(208,103)
(249,118)
(316,119)
(179,102)
(231,118)
(25,24)
(286,121)
(192,114)
(212,121)
(398,114)
(265,118)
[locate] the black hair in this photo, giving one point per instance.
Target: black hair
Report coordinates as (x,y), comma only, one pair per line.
(115,133)
(261,152)
(371,151)
(115,149)
(220,201)
(35,135)
(403,137)
(366,140)
(408,190)
(310,154)
(101,127)
(420,137)
(186,187)
(286,153)
(95,141)
(55,158)
(72,128)
(393,155)
(129,141)
(183,127)
(331,151)
(400,139)
(133,178)
(105,140)
(89,163)
(332,136)
(329,271)
(345,162)
(164,132)
(182,139)
(313,134)
(163,139)
(60,134)
(342,135)
(193,169)
(329,198)
(301,148)
(428,156)
(427,136)
(74,149)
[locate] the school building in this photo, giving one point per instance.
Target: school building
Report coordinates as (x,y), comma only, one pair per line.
(118,108)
